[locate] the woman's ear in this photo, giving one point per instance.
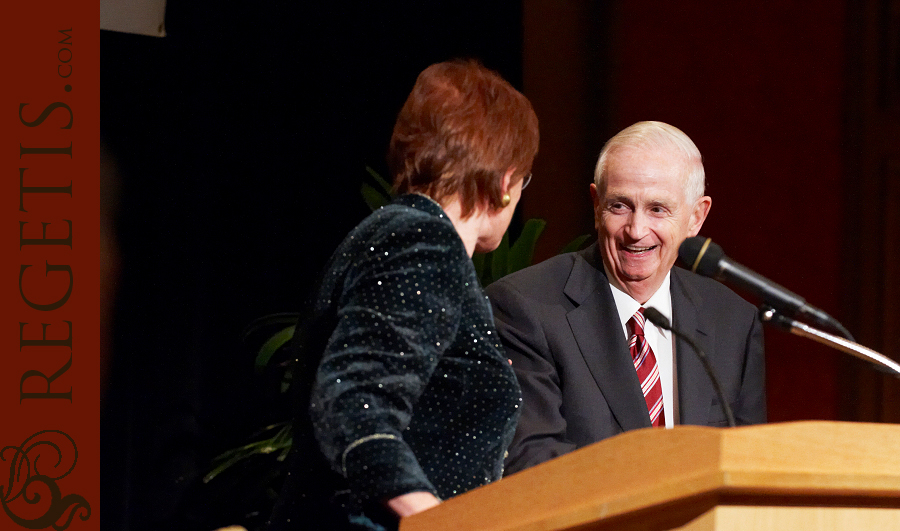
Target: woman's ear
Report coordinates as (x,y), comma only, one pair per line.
(507,177)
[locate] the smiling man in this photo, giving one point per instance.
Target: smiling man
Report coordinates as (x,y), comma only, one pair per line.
(588,364)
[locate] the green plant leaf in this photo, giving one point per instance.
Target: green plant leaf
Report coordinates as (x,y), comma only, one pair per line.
(385,186)
(238,455)
(373,198)
(522,252)
(478,261)
(222,468)
(575,244)
(500,259)
(280,442)
(275,319)
(271,346)
(280,425)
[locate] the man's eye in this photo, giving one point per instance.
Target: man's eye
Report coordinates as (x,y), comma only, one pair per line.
(617,207)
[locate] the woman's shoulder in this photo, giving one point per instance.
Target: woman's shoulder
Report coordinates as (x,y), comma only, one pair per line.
(410,220)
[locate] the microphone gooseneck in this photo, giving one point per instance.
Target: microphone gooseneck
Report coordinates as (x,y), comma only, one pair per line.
(779,306)
(660,320)
(706,258)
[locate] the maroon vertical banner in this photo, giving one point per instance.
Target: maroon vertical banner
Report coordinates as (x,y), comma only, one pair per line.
(49,270)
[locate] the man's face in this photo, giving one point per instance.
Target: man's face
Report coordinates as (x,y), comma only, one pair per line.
(642,217)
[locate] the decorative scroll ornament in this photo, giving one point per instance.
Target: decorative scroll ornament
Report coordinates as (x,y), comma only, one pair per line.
(32,498)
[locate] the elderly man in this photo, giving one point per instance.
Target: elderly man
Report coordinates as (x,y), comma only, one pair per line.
(573,326)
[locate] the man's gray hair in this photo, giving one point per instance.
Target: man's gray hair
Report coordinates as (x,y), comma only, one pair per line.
(657,137)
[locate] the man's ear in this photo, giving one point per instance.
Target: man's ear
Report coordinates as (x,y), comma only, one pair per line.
(698,216)
(595,198)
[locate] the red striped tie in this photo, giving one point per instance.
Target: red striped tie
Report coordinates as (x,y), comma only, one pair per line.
(647,369)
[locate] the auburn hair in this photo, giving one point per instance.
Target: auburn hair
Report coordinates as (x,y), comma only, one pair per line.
(461,129)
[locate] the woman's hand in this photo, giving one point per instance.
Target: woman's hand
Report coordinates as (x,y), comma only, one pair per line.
(412,503)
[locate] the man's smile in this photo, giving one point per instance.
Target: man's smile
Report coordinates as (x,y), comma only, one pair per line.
(638,250)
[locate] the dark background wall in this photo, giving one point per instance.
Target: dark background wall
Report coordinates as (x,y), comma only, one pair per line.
(242,140)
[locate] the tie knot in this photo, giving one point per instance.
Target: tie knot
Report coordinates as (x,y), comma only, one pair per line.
(636,323)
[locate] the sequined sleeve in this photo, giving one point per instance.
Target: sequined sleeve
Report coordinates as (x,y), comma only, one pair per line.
(398,309)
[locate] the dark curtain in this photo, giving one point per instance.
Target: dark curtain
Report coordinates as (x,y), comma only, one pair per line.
(242,140)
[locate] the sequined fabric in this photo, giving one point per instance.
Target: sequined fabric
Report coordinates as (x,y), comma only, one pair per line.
(413,391)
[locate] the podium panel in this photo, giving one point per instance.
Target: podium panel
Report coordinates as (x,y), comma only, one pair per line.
(658,479)
(742,518)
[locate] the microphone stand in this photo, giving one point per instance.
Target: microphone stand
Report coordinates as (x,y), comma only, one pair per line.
(881,362)
(658,319)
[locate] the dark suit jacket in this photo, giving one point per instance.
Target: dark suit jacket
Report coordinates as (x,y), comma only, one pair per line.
(560,328)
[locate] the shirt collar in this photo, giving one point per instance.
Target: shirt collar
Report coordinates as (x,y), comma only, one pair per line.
(661,300)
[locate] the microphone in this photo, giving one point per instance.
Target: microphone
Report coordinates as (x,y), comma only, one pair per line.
(654,316)
(706,258)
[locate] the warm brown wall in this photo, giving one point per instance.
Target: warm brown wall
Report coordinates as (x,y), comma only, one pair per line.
(872,270)
(564,76)
(759,88)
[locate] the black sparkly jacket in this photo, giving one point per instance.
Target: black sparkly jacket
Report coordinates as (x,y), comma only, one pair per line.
(412,390)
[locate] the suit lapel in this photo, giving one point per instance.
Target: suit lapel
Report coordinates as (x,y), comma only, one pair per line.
(595,325)
(695,391)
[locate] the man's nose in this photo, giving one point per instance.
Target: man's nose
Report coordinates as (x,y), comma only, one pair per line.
(637,226)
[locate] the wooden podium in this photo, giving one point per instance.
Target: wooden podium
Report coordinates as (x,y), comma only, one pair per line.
(791,476)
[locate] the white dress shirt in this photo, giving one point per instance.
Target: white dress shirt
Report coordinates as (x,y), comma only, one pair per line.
(662,342)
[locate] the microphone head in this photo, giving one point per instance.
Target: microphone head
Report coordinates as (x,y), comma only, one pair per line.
(701,255)
(654,316)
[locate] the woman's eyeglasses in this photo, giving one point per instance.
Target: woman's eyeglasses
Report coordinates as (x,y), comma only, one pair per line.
(526,181)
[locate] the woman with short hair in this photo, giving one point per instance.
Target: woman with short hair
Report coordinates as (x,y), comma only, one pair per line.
(410,398)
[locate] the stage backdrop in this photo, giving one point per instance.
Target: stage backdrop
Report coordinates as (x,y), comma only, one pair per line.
(763,90)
